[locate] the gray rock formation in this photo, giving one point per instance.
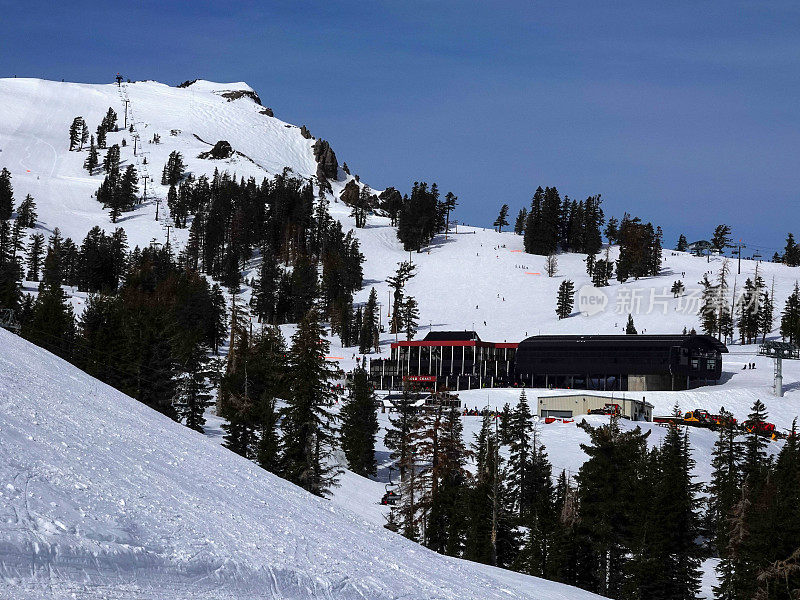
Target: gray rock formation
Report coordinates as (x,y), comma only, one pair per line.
(236,94)
(327,165)
(220,151)
(350,193)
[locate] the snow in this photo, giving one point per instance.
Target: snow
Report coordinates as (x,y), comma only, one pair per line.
(104,498)
(35,116)
(475,279)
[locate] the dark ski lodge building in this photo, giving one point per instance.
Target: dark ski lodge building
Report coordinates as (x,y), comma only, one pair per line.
(459,360)
(453,360)
(619,362)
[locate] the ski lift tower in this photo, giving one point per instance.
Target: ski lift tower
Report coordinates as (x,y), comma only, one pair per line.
(778,351)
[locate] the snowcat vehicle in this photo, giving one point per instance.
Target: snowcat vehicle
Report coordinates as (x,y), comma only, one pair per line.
(608,409)
(699,418)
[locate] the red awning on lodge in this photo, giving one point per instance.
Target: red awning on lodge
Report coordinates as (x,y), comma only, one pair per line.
(457,343)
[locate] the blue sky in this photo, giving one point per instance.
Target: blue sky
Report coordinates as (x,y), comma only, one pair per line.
(683,113)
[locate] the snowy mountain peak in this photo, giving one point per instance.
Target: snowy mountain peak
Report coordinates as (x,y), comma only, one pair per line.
(154,119)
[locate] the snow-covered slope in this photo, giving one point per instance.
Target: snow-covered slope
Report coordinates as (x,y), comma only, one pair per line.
(477,278)
(35,116)
(100,497)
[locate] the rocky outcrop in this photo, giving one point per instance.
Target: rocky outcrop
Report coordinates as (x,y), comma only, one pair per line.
(305,132)
(236,94)
(350,193)
(268,111)
(220,151)
(327,165)
(345,168)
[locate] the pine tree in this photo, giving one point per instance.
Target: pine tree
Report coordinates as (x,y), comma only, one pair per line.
(52,323)
(11,274)
(398,431)
(677,288)
(603,271)
(111,160)
(505,424)
(265,292)
(609,494)
(790,317)
(640,249)
(682,245)
(489,528)
(193,391)
(127,198)
(84,134)
(360,426)
(268,365)
(784,518)
(235,400)
(520,430)
(532,240)
(420,217)
(725,485)
(571,557)
(748,309)
(26,215)
(612,230)
(736,571)
(754,461)
(361,207)
(766,316)
(591,260)
(565,299)
(791,252)
(368,336)
(666,563)
(721,238)
(101,136)
(480,544)
(502,219)
(447,517)
(724,314)
(174,169)
(414,478)
(708,307)
(630,328)
(6,195)
(519,224)
(405,271)
(54,262)
(449,205)
(35,254)
(410,317)
(538,554)
(109,122)
(76,133)
(308,425)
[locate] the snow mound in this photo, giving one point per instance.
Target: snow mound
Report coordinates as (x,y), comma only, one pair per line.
(101,497)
